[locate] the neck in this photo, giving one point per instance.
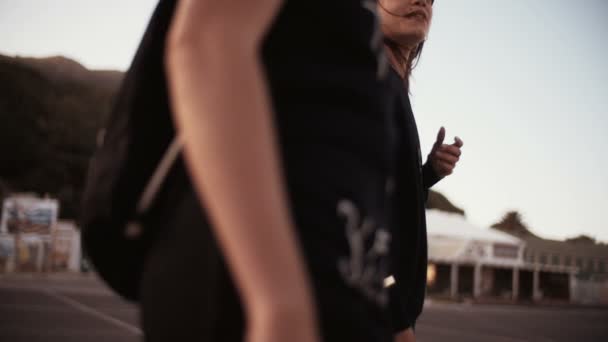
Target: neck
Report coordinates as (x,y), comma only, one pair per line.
(398,57)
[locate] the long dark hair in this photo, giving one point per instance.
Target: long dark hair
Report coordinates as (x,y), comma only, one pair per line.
(409,62)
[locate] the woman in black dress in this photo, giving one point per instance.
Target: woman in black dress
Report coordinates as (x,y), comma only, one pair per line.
(276,226)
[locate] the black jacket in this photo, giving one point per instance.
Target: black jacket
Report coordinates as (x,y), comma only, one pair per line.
(409,248)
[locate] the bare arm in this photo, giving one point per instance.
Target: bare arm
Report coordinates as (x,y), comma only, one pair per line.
(223,112)
(405,336)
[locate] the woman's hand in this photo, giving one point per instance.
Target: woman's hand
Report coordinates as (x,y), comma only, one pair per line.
(444,157)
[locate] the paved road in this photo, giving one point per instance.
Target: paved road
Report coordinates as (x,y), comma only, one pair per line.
(70,308)
(483,323)
(63,308)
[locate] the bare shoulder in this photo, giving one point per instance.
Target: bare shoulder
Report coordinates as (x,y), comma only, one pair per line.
(225,17)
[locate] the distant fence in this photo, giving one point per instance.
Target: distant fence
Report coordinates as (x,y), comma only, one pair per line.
(592,289)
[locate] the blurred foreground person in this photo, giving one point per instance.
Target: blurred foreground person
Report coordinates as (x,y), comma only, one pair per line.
(275,227)
(405,24)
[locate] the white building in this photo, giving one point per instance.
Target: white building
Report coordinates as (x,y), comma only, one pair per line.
(469,261)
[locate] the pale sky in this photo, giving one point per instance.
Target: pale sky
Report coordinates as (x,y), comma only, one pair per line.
(523,82)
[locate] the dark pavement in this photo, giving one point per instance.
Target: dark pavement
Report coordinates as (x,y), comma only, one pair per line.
(70,308)
(510,323)
(66,308)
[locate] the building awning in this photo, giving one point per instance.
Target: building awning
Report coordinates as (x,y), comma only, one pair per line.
(452,225)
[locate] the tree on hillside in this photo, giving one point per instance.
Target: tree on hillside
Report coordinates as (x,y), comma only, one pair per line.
(513,223)
(440,202)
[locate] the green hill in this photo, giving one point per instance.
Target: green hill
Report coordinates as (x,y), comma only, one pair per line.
(50,111)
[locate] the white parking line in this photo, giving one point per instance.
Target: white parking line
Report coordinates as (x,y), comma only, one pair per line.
(86,309)
(471,334)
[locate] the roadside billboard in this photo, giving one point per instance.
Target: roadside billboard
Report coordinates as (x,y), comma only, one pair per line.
(27,214)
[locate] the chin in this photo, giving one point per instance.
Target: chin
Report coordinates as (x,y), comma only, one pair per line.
(408,37)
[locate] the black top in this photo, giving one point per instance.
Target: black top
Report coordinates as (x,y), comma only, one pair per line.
(334,105)
(348,137)
(328,78)
(326,53)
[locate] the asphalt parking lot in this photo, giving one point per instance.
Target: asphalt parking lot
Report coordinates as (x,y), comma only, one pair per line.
(70,308)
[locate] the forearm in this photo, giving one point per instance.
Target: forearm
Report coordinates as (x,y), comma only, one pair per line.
(405,336)
(223,112)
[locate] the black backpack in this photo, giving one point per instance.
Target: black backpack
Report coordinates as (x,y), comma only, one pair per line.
(134,156)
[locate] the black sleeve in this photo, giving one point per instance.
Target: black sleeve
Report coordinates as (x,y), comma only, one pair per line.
(400,320)
(429,178)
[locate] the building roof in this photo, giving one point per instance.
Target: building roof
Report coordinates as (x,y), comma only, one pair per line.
(440,223)
(446,249)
